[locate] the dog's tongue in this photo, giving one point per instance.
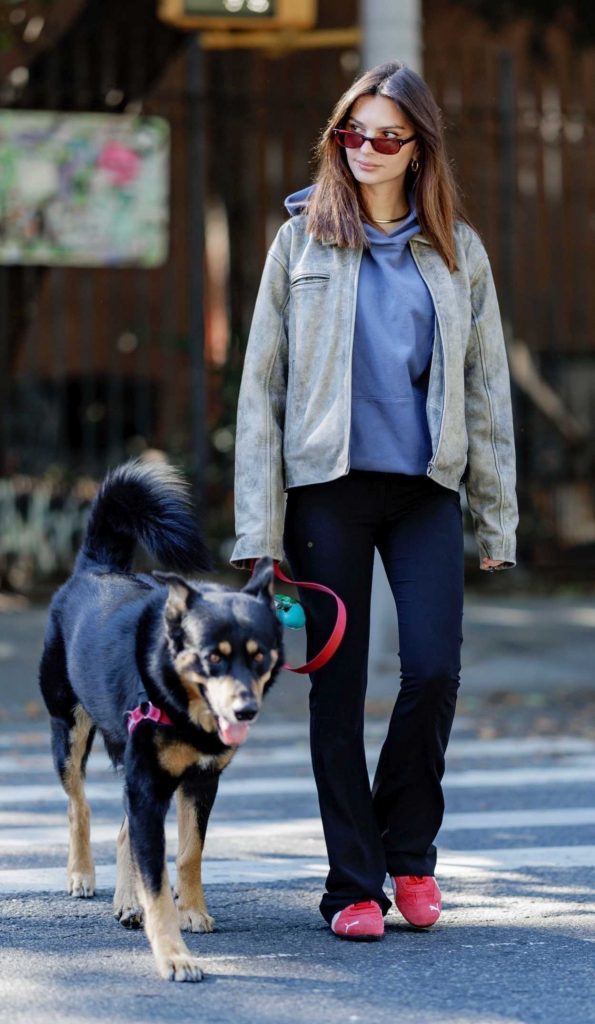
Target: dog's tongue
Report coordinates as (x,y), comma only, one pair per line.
(232,733)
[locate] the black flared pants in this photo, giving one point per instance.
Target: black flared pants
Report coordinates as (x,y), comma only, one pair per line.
(331,532)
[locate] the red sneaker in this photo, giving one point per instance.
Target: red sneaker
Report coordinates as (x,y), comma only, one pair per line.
(362,922)
(418,898)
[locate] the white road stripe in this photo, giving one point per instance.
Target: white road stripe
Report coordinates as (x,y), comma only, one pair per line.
(501,778)
(504,778)
(505,859)
(43,834)
(28,824)
(521,746)
(265,731)
(546,818)
(298,755)
(45,794)
(461,863)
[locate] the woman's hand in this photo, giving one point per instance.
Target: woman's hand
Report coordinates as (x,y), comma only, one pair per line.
(489,564)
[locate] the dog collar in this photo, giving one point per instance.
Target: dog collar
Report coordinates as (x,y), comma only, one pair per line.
(143,711)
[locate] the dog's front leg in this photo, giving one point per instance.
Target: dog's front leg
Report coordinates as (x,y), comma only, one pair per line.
(195,799)
(146,817)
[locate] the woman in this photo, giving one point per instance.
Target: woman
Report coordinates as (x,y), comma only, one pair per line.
(375,381)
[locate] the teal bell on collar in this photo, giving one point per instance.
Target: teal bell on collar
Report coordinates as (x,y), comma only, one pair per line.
(289,611)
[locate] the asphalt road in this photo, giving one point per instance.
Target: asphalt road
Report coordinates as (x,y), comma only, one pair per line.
(516,863)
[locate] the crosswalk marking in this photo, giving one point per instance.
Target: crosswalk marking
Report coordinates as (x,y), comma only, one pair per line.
(298,754)
(267,845)
(264,730)
(54,833)
(451,864)
(297,732)
(231,787)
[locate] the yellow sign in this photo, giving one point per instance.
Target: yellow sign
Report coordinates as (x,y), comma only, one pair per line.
(245,14)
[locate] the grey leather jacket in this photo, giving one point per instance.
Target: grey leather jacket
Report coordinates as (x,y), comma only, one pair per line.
(294,410)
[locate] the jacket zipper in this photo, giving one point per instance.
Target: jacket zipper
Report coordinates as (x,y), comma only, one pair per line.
(356,283)
(444,377)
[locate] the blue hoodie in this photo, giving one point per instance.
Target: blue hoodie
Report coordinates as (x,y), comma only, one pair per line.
(392,350)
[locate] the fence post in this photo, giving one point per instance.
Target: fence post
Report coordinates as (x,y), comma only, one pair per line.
(506,202)
(196,203)
(507,182)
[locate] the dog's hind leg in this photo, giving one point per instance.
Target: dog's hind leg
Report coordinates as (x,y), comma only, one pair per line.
(194,799)
(127,909)
(71,743)
(72,738)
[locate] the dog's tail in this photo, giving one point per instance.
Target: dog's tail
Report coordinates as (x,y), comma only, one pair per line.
(147,503)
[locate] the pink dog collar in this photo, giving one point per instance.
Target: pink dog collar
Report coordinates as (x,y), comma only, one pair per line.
(144,711)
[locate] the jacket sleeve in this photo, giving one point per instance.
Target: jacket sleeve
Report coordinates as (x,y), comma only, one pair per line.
(259,494)
(491,470)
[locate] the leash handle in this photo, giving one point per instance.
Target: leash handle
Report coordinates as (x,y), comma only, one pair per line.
(338,630)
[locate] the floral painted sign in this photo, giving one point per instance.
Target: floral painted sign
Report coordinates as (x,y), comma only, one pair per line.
(83,189)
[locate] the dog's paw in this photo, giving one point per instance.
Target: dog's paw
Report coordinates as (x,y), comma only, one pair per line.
(81,884)
(128,915)
(179,967)
(194,920)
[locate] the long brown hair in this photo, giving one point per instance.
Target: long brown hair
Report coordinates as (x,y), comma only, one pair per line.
(336,206)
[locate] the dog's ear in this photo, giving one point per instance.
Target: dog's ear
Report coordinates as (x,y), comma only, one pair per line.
(262,580)
(179,593)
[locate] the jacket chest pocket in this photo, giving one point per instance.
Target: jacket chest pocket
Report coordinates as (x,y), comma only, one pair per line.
(309,296)
(308,310)
(308,280)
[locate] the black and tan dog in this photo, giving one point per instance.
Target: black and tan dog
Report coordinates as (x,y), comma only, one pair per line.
(172,673)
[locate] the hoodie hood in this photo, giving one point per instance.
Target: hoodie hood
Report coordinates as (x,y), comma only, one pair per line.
(296,203)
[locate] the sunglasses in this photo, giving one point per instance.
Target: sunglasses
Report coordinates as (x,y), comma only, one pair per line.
(355,140)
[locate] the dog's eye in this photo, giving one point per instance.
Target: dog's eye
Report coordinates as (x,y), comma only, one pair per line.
(259,656)
(214,658)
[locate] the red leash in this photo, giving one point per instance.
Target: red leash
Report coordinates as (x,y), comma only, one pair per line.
(338,631)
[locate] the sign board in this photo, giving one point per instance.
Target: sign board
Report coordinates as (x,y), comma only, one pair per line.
(248,14)
(83,189)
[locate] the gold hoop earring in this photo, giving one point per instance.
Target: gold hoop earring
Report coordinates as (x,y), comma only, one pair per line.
(415,166)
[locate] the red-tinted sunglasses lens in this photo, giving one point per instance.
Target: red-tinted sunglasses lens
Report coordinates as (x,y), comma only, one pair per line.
(353,140)
(386,145)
